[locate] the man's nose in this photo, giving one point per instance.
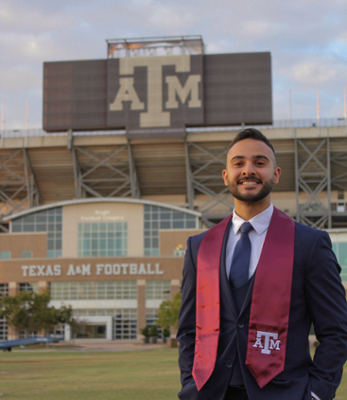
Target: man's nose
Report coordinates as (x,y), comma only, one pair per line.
(248,169)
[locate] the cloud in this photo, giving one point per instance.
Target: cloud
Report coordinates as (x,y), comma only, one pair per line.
(307,40)
(312,72)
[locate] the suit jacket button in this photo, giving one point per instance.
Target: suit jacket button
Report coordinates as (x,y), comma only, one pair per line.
(229,364)
(240,324)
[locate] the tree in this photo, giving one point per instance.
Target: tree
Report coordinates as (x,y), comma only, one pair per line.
(77,325)
(168,312)
(29,312)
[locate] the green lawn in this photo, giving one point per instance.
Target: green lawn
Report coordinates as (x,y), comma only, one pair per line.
(130,375)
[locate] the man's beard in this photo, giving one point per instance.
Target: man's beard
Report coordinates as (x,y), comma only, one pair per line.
(251,198)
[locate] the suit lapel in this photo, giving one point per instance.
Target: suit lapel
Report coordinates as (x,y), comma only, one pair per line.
(225,289)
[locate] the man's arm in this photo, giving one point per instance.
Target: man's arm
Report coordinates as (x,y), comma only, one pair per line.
(187,317)
(326,300)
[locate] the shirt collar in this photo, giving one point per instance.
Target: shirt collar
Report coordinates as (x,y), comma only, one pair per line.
(259,222)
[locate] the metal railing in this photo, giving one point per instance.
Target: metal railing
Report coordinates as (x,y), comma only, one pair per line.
(277,124)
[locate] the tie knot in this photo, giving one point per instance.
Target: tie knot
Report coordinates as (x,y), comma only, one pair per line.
(246,227)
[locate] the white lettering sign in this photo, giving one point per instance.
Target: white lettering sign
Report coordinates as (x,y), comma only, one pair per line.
(155,116)
(269,342)
(100,269)
(102,215)
(41,270)
(128,269)
(79,270)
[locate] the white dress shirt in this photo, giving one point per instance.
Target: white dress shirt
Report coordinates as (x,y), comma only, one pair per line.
(257,237)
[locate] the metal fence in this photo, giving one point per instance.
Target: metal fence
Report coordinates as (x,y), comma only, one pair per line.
(279,124)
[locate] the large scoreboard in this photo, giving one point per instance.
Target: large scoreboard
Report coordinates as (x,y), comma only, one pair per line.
(158,93)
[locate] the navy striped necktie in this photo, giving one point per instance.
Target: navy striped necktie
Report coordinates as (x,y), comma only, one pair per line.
(239,269)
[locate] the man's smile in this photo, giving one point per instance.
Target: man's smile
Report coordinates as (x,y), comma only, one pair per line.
(248,182)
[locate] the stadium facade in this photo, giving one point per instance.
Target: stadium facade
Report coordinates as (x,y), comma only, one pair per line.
(99,209)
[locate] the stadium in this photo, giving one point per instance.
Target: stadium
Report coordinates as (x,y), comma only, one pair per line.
(97,206)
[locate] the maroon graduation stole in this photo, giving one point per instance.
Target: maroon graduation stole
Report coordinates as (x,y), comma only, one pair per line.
(268,324)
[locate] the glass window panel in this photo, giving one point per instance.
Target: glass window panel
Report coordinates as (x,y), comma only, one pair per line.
(177,215)
(16,228)
(165,225)
(27,254)
(5,255)
(342,254)
(41,228)
(41,218)
(178,224)
(29,218)
(191,224)
(28,228)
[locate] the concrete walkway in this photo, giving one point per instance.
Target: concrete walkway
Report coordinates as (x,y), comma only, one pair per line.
(99,345)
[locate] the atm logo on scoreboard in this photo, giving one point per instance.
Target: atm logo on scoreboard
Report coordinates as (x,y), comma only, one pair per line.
(160,101)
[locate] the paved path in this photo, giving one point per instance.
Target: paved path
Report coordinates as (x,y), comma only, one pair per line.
(98,345)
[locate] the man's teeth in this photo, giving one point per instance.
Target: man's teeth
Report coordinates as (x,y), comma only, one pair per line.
(249,183)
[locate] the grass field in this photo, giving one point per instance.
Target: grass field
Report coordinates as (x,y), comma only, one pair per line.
(130,375)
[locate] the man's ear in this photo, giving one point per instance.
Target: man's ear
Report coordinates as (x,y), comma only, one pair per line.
(277,174)
(225,177)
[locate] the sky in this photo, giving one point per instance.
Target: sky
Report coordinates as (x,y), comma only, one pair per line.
(307,40)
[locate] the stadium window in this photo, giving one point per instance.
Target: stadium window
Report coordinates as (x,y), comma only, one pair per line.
(340,250)
(5,255)
(29,287)
(49,221)
(158,290)
(156,218)
(102,239)
(27,254)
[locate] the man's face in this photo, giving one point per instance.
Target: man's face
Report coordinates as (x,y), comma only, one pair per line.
(250,171)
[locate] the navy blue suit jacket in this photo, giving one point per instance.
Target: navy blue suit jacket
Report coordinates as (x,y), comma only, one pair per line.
(317,297)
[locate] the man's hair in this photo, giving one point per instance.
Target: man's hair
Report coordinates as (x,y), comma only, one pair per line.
(252,133)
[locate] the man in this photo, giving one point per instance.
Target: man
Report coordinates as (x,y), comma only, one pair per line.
(252,286)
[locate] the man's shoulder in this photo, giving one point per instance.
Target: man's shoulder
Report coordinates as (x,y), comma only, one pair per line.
(308,233)
(196,239)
